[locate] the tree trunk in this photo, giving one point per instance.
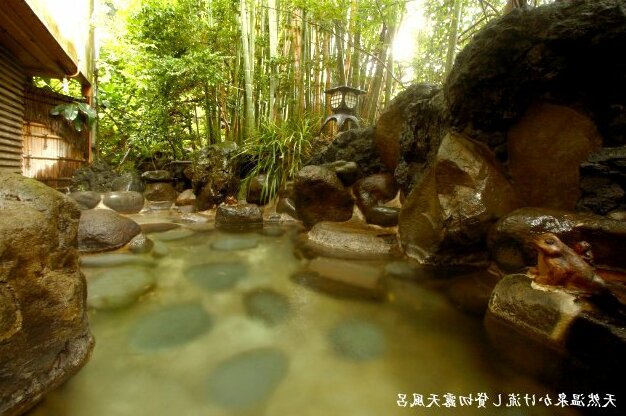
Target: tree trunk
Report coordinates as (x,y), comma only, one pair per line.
(453,35)
(249,107)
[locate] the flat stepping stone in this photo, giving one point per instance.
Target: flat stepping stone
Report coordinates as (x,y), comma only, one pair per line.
(247,379)
(173,235)
(358,340)
(216,277)
(232,243)
(343,279)
(267,305)
(170,327)
(118,287)
(115,259)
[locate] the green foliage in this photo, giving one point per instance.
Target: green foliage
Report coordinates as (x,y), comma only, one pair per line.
(81,115)
(279,151)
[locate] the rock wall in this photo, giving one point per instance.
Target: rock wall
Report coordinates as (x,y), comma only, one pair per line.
(44,333)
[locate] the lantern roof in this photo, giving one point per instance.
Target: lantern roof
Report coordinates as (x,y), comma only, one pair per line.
(344,89)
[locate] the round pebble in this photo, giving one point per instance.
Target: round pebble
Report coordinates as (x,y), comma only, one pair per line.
(216,276)
(118,287)
(170,327)
(247,379)
(232,243)
(267,305)
(358,340)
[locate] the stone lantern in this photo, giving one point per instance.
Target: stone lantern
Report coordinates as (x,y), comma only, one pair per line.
(343,103)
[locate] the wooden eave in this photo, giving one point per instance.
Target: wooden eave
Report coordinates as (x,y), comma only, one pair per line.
(30,41)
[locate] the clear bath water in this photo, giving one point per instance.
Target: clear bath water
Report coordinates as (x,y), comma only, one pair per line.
(254,342)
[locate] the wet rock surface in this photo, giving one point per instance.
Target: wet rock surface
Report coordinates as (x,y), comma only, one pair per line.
(103,230)
(185,198)
(140,244)
(129,181)
(554,334)
(510,245)
(86,199)
(255,190)
(348,240)
(347,172)
(343,279)
(320,196)
(446,217)
(239,217)
(374,191)
(44,333)
(124,202)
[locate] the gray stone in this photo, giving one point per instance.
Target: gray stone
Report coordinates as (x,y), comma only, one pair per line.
(170,327)
(239,217)
(358,340)
(125,202)
(103,230)
(44,332)
(215,277)
(247,379)
(267,305)
(118,287)
(86,199)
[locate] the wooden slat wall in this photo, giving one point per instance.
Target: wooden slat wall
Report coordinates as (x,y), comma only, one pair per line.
(12,82)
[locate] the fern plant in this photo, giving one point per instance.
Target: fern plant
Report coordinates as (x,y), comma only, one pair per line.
(279,151)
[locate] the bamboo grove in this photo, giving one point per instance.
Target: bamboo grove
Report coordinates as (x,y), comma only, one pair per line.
(177,75)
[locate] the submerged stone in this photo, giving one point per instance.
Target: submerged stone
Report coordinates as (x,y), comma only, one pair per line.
(170,327)
(158,227)
(160,249)
(115,259)
(217,276)
(247,379)
(231,243)
(267,305)
(118,288)
(173,235)
(358,340)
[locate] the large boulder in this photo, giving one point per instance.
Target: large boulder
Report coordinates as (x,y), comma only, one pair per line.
(86,199)
(104,230)
(603,184)
(355,145)
(574,342)
(128,181)
(214,174)
(319,195)
(446,217)
(238,217)
(160,191)
(546,147)
(44,333)
(563,52)
(394,120)
(509,239)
